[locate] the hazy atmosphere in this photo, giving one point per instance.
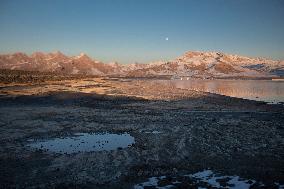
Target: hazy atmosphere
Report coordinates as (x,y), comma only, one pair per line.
(125,31)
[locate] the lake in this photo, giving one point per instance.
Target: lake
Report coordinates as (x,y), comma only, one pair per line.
(259,90)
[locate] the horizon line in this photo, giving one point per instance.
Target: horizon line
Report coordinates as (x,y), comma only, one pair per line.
(133,62)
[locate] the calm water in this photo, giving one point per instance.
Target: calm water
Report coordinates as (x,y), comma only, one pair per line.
(85,142)
(260,90)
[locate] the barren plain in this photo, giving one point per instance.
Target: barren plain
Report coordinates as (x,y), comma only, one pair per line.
(177,132)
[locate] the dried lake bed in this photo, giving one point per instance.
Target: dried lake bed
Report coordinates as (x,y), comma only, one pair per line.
(154,131)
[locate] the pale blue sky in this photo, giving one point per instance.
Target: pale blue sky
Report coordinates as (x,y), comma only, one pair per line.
(135,30)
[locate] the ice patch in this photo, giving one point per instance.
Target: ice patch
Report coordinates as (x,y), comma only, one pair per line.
(234,181)
(202,179)
(153,181)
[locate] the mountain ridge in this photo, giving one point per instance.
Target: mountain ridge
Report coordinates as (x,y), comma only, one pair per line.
(190,64)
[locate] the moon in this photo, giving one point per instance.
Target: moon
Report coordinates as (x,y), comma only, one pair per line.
(167,38)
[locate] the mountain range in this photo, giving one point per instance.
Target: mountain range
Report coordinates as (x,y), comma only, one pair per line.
(191,64)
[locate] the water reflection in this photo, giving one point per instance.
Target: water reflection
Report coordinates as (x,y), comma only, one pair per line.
(260,90)
(85,142)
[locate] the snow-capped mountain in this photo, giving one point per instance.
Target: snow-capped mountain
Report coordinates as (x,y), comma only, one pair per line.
(213,64)
(191,64)
(55,62)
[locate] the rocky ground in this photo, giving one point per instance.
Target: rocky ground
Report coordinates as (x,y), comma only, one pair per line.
(21,76)
(177,132)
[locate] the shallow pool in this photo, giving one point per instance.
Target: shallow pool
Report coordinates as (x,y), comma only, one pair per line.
(84,142)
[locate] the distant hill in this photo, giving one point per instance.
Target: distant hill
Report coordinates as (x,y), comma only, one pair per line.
(191,64)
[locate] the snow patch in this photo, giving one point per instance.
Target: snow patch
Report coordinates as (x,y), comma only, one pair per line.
(205,178)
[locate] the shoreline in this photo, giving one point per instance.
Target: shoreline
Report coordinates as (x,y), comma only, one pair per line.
(176,133)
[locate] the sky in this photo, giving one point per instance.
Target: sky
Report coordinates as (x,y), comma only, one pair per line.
(142,31)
